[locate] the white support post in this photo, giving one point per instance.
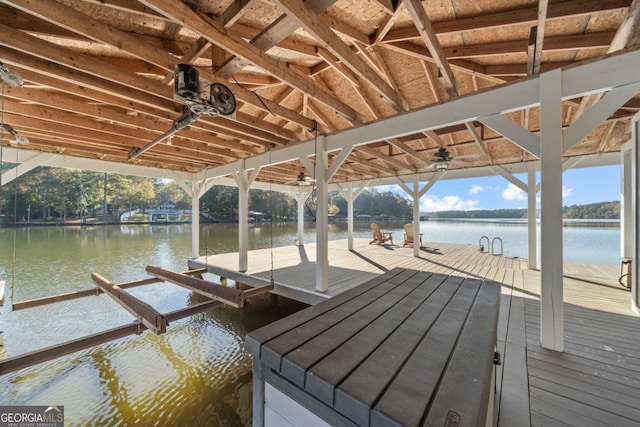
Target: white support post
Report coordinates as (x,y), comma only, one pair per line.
(196,187)
(551,259)
(626,199)
(416,216)
(350,196)
(301,197)
(531,217)
(350,200)
(635,208)
(242,179)
(322,238)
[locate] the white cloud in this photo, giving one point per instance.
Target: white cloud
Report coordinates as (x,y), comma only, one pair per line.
(566,191)
(475,189)
(447,203)
(512,192)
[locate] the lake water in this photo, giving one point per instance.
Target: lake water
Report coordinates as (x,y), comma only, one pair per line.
(196,374)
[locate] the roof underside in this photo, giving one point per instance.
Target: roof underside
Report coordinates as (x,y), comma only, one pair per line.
(98,75)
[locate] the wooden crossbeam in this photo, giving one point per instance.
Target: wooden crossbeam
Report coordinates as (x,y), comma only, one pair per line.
(229,296)
(36,302)
(146,314)
(39,356)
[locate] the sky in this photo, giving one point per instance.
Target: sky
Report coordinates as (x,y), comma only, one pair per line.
(580,186)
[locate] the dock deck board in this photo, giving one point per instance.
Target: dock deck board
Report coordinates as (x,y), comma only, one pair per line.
(595,381)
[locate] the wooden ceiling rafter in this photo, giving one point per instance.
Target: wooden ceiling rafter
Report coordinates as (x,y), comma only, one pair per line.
(320,26)
(73,20)
(628,35)
(206,27)
(445,72)
(528,15)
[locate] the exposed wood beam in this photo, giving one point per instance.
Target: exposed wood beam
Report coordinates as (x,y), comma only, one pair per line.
(234,12)
(96,90)
(558,43)
(73,20)
(386,24)
(512,17)
(388,159)
(217,35)
(428,36)
(320,27)
(195,51)
(104,118)
(535,59)
(628,35)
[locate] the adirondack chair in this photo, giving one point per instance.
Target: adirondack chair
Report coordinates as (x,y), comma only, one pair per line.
(380,237)
(408,235)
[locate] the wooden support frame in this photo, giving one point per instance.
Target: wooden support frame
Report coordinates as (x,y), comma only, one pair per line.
(43,355)
(147,318)
(147,315)
(226,295)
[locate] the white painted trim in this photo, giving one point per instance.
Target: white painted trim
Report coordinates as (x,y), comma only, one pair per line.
(195,219)
(515,133)
(338,161)
(635,208)
(24,167)
(532,237)
(322,238)
(597,114)
(551,268)
(499,170)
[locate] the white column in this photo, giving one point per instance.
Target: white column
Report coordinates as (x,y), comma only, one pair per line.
(626,200)
(322,238)
(301,197)
(350,198)
(195,218)
(531,217)
(243,220)
(416,216)
(551,286)
(635,208)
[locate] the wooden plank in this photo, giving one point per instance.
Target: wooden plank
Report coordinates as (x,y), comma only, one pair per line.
(229,296)
(391,289)
(406,399)
(372,343)
(255,339)
(146,314)
(245,279)
(596,408)
(465,387)
(381,317)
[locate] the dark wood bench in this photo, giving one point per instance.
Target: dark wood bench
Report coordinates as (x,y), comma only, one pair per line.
(406,348)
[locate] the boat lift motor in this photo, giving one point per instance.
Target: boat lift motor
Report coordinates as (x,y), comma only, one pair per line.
(200,97)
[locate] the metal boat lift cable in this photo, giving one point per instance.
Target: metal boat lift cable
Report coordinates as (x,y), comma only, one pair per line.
(270,149)
(12,79)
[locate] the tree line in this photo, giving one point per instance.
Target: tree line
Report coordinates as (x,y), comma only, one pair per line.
(57,194)
(600,210)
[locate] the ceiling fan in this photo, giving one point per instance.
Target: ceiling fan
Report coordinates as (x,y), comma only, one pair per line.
(442,159)
(302,180)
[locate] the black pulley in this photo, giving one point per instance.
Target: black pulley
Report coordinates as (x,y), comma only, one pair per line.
(222,99)
(186,81)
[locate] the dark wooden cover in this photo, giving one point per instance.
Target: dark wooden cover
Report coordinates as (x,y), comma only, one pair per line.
(406,348)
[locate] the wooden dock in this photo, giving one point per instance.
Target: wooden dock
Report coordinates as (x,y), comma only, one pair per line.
(595,382)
